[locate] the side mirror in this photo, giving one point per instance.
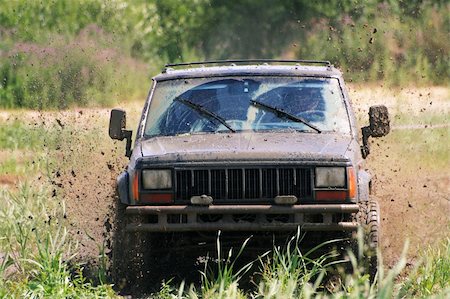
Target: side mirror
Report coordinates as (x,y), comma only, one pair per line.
(379,121)
(379,126)
(117,126)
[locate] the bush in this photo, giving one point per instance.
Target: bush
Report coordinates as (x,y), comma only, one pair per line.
(81,72)
(384,46)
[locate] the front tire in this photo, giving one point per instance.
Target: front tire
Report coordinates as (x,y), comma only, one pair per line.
(130,252)
(373,231)
(368,218)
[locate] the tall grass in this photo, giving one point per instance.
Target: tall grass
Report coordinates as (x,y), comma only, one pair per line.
(432,276)
(225,275)
(289,273)
(16,135)
(36,256)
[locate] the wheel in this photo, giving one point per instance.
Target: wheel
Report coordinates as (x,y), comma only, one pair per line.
(368,217)
(129,253)
(373,236)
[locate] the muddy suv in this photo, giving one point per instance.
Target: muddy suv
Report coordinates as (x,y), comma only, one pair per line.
(245,146)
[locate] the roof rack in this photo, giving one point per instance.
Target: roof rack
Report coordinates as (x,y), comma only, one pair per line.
(250,61)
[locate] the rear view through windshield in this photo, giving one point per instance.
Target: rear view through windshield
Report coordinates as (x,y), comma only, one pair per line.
(213,105)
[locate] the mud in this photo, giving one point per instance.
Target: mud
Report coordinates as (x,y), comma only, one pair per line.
(415,205)
(87,167)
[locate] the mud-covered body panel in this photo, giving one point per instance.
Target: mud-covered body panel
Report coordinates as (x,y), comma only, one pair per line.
(247,146)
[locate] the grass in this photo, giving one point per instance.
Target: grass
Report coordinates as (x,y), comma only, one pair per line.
(431,145)
(432,276)
(35,252)
(288,273)
(227,274)
(23,148)
(16,135)
(428,119)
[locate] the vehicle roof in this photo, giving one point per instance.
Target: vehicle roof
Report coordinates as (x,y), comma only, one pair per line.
(248,70)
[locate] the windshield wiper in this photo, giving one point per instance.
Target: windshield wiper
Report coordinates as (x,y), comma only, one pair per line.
(206,112)
(281,113)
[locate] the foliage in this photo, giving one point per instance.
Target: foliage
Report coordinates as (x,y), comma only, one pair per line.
(432,276)
(383,46)
(370,40)
(77,53)
(291,274)
(63,74)
(33,20)
(36,256)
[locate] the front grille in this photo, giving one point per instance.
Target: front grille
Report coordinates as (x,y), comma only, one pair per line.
(243,183)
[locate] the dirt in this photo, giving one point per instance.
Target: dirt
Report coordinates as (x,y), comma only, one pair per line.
(415,204)
(8,180)
(89,165)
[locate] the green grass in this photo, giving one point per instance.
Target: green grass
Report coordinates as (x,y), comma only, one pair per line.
(24,148)
(432,276)
(425,118)
(17,135)
(431,145)
(36,254)
(288,273)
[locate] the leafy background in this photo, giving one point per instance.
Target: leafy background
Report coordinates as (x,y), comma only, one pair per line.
(57,54)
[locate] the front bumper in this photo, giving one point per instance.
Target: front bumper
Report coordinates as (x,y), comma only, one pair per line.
(184,218)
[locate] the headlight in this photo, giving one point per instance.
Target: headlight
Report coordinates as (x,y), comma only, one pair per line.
(330,176)
(157,179)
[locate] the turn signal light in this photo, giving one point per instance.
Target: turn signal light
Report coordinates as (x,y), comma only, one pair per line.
(135,187)
(351,177)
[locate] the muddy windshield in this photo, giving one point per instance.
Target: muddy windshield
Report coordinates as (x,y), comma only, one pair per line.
(213,105)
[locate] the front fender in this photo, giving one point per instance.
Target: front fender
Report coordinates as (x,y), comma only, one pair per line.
(364,181)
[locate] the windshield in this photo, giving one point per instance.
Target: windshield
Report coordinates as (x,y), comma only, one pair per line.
(212,105)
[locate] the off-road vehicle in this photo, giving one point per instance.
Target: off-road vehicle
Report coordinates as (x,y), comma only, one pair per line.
(244,146)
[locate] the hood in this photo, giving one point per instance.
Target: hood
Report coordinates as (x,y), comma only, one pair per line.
(249,146)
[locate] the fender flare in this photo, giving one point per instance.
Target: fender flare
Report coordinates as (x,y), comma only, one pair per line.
(123,187)
(364,185)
